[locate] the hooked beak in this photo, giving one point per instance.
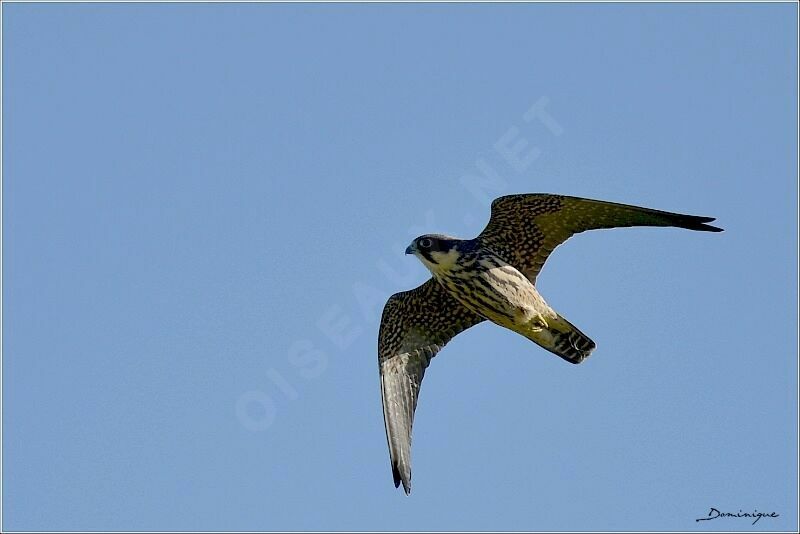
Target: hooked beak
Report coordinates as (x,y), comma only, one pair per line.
(409,250)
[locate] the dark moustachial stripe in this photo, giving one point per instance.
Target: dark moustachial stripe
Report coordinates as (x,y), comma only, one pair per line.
(428,256)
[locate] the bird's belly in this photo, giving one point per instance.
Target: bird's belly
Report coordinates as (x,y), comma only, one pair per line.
(500,293)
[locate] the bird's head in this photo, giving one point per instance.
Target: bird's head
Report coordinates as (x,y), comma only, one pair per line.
(435,251)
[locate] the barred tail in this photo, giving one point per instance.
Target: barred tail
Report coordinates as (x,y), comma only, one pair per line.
(563,339)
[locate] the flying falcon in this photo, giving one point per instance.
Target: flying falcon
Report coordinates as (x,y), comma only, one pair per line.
(492,276)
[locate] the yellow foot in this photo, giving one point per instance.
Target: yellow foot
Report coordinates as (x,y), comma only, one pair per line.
(539,322)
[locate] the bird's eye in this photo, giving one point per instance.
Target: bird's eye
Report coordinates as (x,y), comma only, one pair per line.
(425,243)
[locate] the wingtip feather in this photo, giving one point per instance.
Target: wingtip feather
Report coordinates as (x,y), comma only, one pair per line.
(692,222)
(396,475)
(398,479)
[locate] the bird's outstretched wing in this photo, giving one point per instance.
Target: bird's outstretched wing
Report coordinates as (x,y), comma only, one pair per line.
(415,326)
(524,229)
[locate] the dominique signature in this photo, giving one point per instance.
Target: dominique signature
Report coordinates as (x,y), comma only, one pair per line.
(713,513)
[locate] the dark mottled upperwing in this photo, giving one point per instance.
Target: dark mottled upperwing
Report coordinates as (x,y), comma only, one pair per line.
(415,326)
(524,229)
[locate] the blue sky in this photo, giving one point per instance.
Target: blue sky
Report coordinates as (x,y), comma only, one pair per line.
(205,207)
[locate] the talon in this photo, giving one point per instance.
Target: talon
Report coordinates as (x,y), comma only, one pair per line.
(539,322)
(543,321)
